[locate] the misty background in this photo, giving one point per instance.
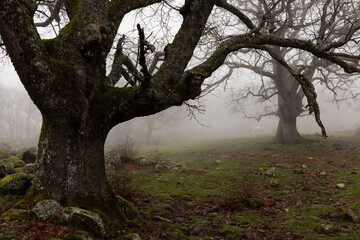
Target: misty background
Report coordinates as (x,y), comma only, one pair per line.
(216,115)
(20,121)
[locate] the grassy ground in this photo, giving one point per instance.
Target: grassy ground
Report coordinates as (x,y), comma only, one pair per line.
(247,188)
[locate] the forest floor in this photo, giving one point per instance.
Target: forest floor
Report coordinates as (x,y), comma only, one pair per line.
(248,188)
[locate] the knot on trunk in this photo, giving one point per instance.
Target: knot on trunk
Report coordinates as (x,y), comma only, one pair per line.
(91,50)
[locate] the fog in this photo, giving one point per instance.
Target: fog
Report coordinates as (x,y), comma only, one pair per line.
(177,124)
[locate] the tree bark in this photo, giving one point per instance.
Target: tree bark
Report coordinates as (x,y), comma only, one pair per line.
(289,105)
(71,162)
(287,132)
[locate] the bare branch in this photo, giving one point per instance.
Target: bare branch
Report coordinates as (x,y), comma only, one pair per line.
(54,13)
(142,59)
(236,12)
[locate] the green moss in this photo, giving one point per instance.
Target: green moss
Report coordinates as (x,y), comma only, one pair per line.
(128,208)
(16,183)
(7,169)
(116,212)
(73,6)
(326,229)
(68,31)
(352,213)
(274,182)
(63,72)
(15,214)
(106,96)
(230,232)
(7,237)
(281,165)
(49,46)
(186,197)
(321,211)
(33,196)
(241,220)
(314,219)
(14,162)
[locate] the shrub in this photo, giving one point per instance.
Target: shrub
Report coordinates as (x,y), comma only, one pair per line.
(127,150)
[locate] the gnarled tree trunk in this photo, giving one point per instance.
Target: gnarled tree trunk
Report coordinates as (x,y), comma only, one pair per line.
(286,132)
(66,79)
(289,105)
(71,162)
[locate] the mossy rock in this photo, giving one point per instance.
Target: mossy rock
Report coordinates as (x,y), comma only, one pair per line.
(47,209)
(262,168)
(230,232)
(274,182)
(85,220)
(14,161)
(6,169)
(116,212)
(128,208)
(15,214)
(29,168)
(29,156)
(326,229)
(16,183)
(352,213)
(241,220)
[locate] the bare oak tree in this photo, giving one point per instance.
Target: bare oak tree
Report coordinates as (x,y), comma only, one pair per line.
(322,22)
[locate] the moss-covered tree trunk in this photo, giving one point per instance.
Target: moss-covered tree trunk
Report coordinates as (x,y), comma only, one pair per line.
(66,79)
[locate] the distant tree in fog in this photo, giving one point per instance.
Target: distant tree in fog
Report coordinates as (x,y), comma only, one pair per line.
(65,76)
(19,117)
(331,24)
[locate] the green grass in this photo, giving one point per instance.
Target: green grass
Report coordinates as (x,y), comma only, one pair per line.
(214,169)
(219,178)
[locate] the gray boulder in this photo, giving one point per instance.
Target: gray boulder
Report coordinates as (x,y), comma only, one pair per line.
(352,214)
(269,172)
(17,183)
(85,220)
(159,168)
(47,209)
(29,156)
(29,168)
